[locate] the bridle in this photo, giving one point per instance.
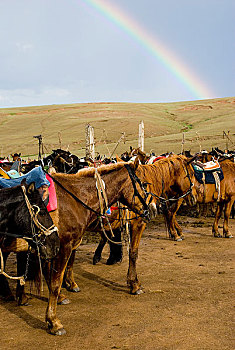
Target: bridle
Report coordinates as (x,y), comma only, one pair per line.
(134,179)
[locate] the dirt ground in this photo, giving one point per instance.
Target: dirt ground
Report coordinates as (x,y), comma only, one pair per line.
(188,299)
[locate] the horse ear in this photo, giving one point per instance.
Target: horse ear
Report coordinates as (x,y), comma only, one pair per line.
(190,160)
(118,159)
(31,188)
(136,163)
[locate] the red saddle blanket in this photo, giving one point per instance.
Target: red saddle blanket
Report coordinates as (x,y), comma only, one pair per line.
(52,205)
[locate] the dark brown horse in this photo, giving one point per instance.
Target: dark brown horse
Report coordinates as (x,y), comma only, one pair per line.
(24,216)
(208,194)
(78,208)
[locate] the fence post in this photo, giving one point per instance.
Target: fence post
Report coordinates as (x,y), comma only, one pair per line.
(90,144)
(141,136)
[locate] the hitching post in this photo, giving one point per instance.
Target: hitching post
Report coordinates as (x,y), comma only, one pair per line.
(141,136)
(90,144)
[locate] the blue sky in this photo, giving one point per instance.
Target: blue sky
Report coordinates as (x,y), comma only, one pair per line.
(65,51)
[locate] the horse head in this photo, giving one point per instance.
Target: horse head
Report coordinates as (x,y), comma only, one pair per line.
(33,220)
(140,196)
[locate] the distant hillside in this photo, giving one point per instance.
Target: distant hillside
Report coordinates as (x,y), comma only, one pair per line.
(202,122)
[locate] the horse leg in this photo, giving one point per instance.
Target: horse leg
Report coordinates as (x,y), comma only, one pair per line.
(174,228)
(179,229)
(137,229)
(68,281)
(54,276)
(227,211)
(99,249)
(115,255)
(215,230)
(5,290)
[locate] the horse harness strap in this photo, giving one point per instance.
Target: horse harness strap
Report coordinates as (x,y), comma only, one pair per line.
(134,178)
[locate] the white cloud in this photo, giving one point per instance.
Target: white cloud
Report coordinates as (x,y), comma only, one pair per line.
(24,47)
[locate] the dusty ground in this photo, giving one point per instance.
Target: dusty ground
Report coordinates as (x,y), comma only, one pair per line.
(188,301)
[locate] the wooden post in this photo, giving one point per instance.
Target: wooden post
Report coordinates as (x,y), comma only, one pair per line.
(90,144)
(141,136)
(198,139)
(40,146)
(123,137)
(182,144)
(60,141)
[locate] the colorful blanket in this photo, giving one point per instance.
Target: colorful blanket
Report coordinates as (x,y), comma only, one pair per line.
(36,175)
(207,173)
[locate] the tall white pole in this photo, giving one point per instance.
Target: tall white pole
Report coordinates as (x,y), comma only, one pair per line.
(141,136)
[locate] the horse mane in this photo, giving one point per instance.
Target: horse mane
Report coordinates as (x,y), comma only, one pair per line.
(90,172)
(163,169)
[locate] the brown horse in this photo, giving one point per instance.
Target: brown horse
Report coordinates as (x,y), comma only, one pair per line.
(167,178)
(78,208)
(208,194)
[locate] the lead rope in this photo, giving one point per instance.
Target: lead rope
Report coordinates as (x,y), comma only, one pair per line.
(2,272)
(39,256)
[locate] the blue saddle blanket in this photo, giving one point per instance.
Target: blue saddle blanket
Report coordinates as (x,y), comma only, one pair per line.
(36,175)
(209,177)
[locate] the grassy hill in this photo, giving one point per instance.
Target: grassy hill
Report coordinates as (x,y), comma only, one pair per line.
(202,122)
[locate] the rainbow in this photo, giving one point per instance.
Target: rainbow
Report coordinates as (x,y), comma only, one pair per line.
(153,45)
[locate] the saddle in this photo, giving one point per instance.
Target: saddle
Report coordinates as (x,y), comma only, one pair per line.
(209,173)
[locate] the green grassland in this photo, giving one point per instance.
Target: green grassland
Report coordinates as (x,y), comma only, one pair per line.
(202,123)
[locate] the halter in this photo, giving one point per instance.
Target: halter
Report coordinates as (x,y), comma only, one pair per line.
(134,179)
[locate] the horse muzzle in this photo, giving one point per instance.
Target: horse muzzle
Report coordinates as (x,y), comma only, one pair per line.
(50,246)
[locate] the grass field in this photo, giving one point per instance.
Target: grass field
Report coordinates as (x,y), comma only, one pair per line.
(202,123)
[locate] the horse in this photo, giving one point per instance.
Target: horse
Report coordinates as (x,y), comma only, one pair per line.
(207,193)
(79,207)
(23,215)
(165,179)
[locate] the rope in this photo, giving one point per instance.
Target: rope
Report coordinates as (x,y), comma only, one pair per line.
(2,272)
(34,216)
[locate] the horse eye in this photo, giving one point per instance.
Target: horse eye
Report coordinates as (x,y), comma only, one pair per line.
(145,185)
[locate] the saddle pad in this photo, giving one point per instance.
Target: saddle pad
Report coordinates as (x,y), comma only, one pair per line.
(209,166)
(52,205)
(36,175)
(209,177)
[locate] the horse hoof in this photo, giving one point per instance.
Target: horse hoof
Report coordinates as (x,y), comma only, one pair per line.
(96,259)
(138,292)
(178,239)
(113,261)
(217,236)
(61,331)
(76,289)
(229,236)
(65,301)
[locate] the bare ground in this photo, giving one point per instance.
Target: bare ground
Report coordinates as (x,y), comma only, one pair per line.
(188,299)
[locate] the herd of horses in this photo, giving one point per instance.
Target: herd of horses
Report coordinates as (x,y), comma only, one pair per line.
(136,185)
